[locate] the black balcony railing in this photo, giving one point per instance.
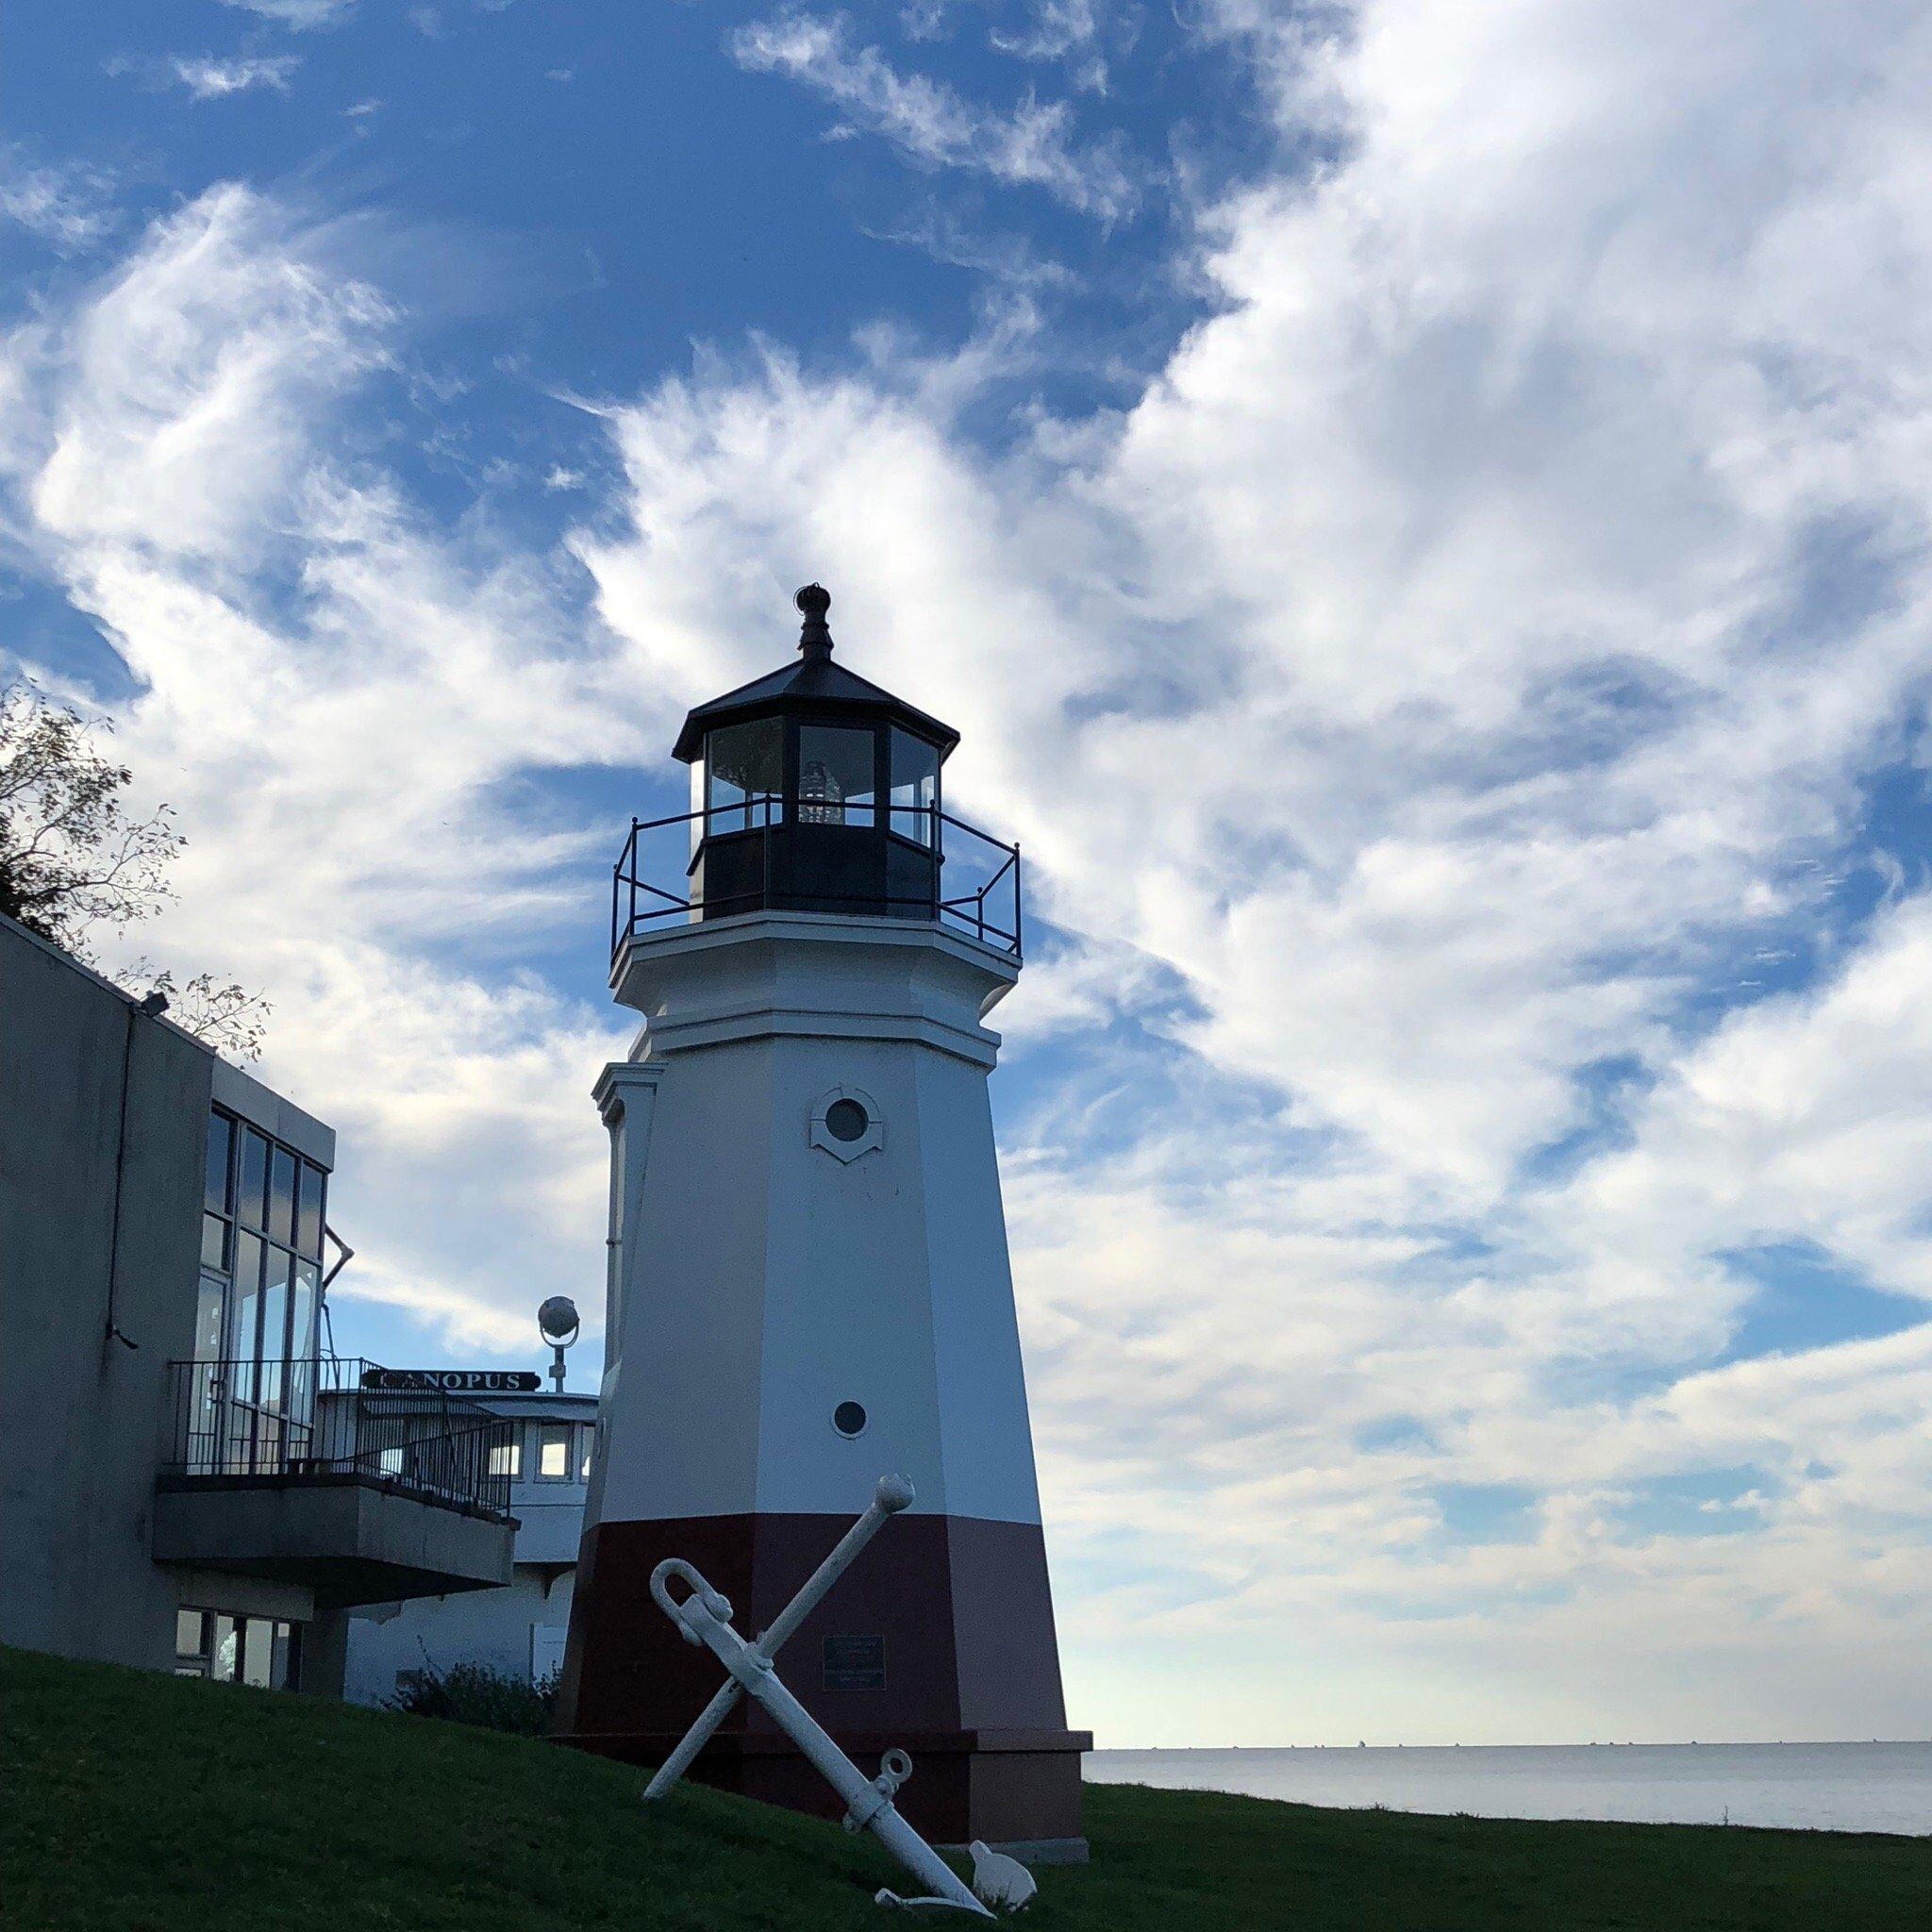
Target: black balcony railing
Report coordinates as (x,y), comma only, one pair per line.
(315,1421)
(745,856)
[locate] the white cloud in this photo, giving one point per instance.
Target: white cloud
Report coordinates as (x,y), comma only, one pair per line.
(1060,31)
(67,206)
(345,758)
(1456,667)
(931,123)
(211,79)
(208,76)
(299,16)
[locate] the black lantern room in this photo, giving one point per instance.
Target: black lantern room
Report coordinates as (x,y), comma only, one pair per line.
(814,790)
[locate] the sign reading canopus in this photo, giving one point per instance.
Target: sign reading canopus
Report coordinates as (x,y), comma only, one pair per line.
(454,1381)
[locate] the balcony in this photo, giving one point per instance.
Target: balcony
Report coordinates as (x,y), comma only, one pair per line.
(297,1472)
(766,852)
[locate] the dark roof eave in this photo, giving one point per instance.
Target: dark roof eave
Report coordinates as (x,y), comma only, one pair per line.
(749,702)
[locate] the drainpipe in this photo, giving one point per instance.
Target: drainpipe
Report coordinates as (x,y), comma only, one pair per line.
(154,1006)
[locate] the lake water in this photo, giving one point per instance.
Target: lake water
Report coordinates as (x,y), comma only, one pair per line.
(1822,1787)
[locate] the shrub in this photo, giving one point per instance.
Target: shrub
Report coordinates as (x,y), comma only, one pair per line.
(477,1694)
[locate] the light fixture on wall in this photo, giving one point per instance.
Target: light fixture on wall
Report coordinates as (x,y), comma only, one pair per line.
(557,1320)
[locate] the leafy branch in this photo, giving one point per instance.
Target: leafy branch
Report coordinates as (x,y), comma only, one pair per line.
(72,858)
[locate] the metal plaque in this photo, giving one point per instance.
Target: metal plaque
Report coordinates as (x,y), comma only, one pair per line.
(855,1663)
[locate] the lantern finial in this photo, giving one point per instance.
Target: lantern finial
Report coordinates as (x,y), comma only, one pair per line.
(814,638)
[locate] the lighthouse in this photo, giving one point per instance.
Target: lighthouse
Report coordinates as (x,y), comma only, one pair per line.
(809,1282)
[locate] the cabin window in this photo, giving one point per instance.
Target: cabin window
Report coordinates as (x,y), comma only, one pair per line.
(553,1453)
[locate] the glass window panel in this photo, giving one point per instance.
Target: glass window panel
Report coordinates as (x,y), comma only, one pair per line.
(836,777)
(209,1300)
(275,1324)
(257,1651)
(246,1303)
(743,762)
(553,1452)
(204,1390)
(915,788)
(190,1633)
(309,1216)
(224,1657)
(507,1458)
(287,1649)
(214,1242)
(304,1294)
(221,1141)
(587,1441)
(254,1188)
(281,1195)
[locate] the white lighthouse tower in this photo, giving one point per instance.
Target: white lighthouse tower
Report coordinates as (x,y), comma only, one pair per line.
(809,1285)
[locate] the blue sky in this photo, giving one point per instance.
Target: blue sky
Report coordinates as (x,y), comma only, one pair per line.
(1419,511)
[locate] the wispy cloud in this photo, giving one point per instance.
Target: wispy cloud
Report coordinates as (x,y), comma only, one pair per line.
(1032,145)
(1060,31)
(70,207)
(299,16)
(937,232)
(208,77)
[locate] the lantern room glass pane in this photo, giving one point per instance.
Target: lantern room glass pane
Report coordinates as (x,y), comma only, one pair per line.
(837,782)
(744,764)
(915,788)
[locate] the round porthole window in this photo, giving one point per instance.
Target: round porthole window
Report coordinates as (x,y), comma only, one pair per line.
(849,1419)
(846,1120)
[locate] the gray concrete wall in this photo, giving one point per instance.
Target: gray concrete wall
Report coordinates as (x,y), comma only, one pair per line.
(82,1415)
(490,1627)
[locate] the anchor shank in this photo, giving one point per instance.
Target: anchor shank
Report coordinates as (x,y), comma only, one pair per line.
(755,1674)
(893,1494)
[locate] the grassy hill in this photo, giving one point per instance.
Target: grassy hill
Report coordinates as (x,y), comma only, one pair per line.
(146,1804)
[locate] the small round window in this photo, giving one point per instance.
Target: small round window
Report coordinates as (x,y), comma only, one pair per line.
(849,1419)
(846,1120)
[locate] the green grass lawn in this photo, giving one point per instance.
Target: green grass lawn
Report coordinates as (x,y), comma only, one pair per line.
(133,1801)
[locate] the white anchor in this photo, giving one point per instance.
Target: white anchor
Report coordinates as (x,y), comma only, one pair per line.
(704,1617)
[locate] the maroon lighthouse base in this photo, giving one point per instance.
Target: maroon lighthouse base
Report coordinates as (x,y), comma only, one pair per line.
(972,1692)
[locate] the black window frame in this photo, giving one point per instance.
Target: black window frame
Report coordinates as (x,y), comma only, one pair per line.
(791,806)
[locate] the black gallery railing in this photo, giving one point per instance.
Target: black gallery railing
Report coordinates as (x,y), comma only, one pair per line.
(316,1420)
(976,877)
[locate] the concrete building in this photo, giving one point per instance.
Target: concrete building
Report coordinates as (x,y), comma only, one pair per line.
(188,1479)
(520,1629)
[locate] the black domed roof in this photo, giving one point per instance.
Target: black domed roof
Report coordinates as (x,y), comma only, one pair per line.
(814,686)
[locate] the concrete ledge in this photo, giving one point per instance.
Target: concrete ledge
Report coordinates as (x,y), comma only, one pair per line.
(350,1541)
